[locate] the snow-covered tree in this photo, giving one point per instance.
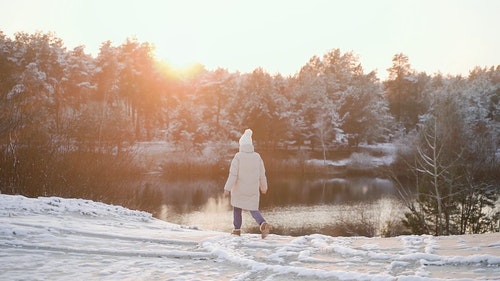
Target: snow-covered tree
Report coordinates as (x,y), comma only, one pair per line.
(258,104)
(365,111)
(453,194)
(336,88)
(140,85)
(37,95)
(212,95)
(405,92)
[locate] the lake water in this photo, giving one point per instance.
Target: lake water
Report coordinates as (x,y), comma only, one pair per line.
(292,205)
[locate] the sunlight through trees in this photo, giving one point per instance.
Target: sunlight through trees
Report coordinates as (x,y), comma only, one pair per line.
(59,105)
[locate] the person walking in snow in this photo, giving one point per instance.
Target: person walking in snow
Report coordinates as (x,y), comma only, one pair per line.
(247,178)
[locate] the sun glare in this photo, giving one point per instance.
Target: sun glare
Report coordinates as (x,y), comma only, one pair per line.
(189,70)
(177,60)
(179,71)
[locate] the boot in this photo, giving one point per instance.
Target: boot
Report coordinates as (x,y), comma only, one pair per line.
(265,228)
(236,232)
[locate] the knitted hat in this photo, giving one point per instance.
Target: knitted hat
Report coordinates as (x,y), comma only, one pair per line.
(246,138)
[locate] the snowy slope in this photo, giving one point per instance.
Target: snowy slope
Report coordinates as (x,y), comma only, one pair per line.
(73,239)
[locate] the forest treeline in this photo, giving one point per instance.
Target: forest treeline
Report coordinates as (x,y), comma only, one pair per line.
(68,120)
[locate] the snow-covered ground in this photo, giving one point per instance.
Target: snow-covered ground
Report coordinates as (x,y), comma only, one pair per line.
(387,157)
(73,239)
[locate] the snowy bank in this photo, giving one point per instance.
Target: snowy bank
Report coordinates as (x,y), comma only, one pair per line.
(61,239)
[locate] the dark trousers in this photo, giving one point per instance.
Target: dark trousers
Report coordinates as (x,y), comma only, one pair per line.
(237,219)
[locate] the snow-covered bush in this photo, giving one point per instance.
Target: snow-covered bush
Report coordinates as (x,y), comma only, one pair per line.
(361,161)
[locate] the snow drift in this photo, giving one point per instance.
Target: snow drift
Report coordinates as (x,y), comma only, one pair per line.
(62,239)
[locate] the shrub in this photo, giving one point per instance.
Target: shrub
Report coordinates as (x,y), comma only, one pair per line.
(356,220)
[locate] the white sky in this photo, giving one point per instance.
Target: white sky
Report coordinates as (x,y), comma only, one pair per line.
(447,36)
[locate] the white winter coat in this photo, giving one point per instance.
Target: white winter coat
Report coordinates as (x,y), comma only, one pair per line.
(247,177)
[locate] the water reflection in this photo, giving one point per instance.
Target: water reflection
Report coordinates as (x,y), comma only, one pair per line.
(289,191)
(290,202)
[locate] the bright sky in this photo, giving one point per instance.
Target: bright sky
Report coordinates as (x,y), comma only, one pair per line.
(447,36)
